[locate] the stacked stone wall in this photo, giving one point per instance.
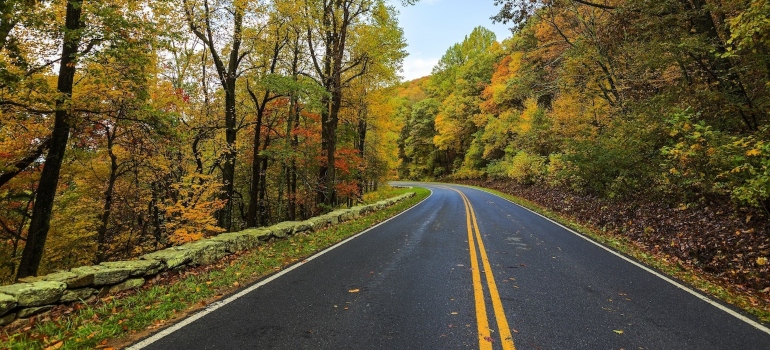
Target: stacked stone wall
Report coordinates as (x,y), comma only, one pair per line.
(36,295)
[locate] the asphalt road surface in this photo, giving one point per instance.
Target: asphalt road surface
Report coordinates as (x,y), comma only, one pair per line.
(466,269)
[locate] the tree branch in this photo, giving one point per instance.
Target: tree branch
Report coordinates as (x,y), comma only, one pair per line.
(587,3)
(24,163)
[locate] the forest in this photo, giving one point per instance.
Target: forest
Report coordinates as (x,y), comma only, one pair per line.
(648,119)
(130,126)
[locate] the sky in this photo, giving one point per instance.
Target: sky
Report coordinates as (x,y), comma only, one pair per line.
(432,26)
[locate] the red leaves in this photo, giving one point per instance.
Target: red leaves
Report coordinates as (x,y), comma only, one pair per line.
(347,188)
(347,159)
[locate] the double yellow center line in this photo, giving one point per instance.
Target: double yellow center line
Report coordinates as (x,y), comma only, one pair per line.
(485,338)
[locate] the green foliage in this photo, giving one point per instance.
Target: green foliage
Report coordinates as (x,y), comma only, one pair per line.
(457,83)
(703,161)
(750,29)
(420,150)
(750,178)
(526,168)
(695,159)
(666,97)
(612,165)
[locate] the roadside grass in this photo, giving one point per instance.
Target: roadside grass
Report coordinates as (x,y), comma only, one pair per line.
(742,299)
(114,321)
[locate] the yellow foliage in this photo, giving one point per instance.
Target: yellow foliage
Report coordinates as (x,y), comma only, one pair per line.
(579,118)
(526,168)
(527,116)
(447,132)
(191,215)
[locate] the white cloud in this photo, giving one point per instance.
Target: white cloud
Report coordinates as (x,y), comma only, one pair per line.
(418,67)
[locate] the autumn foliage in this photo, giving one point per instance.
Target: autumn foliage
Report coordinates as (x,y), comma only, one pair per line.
(654,114)
(187,119)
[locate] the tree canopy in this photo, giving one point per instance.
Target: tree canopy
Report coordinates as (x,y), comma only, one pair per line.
(126,127)
(613,98)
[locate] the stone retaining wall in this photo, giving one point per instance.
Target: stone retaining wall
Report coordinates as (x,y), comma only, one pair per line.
(36,295)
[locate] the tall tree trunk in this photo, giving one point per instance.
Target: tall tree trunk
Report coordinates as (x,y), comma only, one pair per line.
(361,145)
(256,164)
(257,167)
(324,173)
(262,208)
(291,172)
(338,16)
(224,219)
(328,126)
(101,232)
(228,76)
(154,211)
(49,178)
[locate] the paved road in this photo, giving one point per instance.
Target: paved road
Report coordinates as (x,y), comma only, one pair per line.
(411,284)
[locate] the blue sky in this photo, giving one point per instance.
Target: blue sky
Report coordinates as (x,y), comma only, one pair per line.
(432,26)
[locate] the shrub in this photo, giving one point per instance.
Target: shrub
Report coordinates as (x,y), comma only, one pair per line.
(527,168)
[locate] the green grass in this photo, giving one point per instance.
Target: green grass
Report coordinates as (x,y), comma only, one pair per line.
(95,324)
(696,279)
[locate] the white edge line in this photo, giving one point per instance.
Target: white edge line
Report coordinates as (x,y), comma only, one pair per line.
(698,295)
(216,305)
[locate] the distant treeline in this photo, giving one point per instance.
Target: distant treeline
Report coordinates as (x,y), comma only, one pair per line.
(616,98)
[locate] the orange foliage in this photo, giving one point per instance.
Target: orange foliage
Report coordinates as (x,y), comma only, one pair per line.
(348,189)
(347,159)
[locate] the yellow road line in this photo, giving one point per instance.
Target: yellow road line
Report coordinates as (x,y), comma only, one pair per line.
(497,303)
(482,323)
(485,340)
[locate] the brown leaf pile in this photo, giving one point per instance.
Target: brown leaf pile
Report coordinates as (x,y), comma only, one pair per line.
(731,245)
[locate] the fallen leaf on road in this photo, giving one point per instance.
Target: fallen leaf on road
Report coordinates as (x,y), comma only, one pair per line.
(354,290)
(618,331)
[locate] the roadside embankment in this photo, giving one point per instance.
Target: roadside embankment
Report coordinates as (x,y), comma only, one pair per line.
(37,295)
(715,247)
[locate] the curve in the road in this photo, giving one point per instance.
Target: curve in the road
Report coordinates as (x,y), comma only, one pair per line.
(409,284)
(687,289)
